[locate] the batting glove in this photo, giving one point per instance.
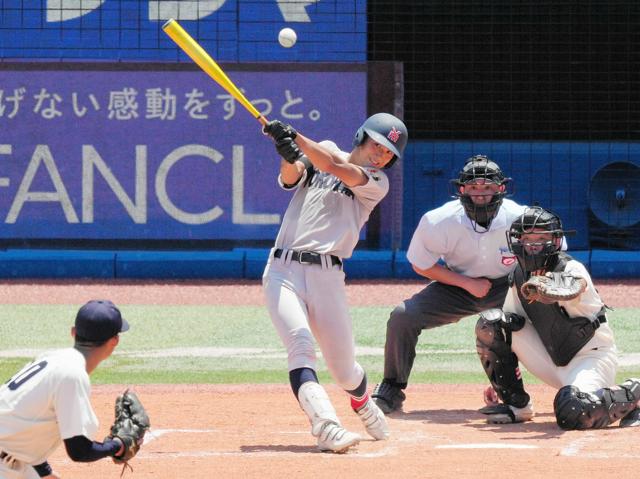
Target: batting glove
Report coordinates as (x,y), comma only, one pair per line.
(278,130)
(288,150)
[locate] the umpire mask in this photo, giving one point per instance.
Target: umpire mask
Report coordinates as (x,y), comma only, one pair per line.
(479,169)
(534,256)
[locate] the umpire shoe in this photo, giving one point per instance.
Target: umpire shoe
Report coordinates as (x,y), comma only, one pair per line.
(374,421)
(388,397)
(335,438)
(507,414)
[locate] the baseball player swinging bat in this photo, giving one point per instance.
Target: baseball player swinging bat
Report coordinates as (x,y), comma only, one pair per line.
(208,65)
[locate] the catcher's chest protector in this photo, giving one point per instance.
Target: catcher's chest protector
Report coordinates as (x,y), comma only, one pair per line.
(561,335)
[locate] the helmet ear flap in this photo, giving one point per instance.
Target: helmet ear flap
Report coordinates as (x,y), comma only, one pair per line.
(359,137)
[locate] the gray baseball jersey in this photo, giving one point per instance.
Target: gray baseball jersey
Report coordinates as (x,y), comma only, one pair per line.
(319,220)
(324,216)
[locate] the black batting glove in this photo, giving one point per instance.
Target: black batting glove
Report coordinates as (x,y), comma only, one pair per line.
(278,130)
(288,149)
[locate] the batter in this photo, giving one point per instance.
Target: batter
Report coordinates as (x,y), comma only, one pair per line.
(335,192)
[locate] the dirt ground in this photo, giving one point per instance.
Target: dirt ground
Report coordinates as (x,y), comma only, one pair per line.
(615,293)
(259,431)
(247,431)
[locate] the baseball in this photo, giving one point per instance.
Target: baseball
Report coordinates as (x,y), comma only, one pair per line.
(287,37)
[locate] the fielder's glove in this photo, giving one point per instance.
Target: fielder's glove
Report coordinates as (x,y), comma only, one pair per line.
(553,287)
(288,150)
(278,130)
(130,425)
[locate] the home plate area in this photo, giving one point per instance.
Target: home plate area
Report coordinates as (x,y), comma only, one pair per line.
(248,431)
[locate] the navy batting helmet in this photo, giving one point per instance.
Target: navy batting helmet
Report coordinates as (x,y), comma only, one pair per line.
(480,167)
(538,255)
(386,130)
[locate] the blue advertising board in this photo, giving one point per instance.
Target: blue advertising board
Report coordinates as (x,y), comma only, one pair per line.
(230,30)
(112,153)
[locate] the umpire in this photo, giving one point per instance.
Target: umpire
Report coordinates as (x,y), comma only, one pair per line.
(469,235)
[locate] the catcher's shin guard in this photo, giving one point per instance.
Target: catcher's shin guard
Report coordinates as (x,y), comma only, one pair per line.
(500,363)
(575,409)
(323,418)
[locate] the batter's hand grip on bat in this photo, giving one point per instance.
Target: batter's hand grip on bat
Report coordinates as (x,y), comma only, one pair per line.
(208,64)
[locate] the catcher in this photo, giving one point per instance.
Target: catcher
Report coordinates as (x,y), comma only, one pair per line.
(554,322)
(48,402)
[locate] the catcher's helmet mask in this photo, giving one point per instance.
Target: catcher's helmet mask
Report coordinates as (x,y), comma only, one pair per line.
(386,130)
(481,167)
(538,255)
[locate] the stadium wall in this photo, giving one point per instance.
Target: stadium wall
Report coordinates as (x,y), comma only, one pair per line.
(80,45)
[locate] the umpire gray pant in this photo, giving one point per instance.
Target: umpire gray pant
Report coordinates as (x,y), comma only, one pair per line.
(436,305)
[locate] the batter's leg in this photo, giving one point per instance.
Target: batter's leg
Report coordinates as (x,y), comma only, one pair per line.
(325,425)
(282,289)
(370,414)
(331,325)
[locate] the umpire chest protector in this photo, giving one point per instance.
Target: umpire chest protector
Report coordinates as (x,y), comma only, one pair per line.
(561,335)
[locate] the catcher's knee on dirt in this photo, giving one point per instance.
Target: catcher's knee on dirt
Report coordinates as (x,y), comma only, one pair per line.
(500,363)
(575,409)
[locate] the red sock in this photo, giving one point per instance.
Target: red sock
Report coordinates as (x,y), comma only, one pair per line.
(357,403)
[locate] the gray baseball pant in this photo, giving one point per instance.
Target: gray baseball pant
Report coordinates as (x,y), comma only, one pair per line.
(436,305)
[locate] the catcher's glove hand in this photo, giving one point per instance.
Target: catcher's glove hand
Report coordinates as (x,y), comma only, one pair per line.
(130,425)
(553,287)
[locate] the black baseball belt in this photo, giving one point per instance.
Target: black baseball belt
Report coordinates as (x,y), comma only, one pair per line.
(308,257)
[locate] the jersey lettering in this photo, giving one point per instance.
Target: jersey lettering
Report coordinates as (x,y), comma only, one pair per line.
(326,181)
(26,375)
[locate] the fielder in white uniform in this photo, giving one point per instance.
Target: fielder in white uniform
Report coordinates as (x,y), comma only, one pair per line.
(567,344)
(48,401)
(468,236)
(335,192)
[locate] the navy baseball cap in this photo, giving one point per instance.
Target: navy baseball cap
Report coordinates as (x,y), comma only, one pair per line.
(99,320)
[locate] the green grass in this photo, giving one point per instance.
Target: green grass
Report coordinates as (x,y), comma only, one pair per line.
(444,355)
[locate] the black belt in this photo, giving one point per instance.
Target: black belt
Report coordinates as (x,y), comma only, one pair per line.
(307,257)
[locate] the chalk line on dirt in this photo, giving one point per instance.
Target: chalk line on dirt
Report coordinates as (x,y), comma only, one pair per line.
(486,445)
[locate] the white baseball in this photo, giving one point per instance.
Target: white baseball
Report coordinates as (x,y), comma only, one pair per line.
(287,37)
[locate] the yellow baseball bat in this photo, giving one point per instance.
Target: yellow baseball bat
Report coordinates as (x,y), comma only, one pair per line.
(208,64)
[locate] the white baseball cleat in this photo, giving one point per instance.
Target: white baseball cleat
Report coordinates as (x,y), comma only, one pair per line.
(374,421)
(507,414)
(335,438)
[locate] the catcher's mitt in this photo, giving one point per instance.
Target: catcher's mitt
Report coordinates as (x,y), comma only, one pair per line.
(553,287)
(130,425)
